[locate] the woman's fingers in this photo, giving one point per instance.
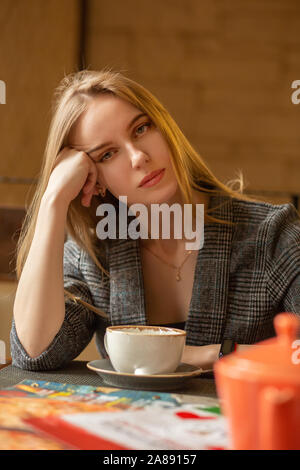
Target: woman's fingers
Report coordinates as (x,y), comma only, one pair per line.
(89,189)
(74,173)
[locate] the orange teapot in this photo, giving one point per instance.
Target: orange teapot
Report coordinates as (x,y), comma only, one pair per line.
(259,390)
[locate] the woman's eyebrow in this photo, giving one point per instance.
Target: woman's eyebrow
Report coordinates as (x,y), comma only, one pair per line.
(98,147)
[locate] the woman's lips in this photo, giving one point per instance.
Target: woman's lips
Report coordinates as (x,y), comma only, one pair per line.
(154,180)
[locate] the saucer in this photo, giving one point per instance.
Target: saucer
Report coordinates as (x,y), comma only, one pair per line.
(171,381)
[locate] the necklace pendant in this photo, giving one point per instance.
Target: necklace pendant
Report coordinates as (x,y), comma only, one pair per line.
(178,277)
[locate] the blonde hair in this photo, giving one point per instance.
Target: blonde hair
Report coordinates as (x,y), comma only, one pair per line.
(70,101)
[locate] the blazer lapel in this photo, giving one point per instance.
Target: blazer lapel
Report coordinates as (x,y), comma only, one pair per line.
(127,299)
(208,308)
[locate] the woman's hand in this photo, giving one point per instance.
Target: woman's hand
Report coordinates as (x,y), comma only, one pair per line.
(73,171)
(203,357)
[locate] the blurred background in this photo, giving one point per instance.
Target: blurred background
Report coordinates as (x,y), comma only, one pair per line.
(223,69)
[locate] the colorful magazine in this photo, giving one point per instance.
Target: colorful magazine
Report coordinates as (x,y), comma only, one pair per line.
(50,415)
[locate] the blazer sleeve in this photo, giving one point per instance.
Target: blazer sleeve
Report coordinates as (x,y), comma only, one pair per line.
(283,267)
(291,301)
(77,329)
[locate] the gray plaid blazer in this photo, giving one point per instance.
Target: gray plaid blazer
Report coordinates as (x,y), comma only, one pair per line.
(245,274)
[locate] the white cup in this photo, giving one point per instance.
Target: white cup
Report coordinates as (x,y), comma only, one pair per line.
(144,350)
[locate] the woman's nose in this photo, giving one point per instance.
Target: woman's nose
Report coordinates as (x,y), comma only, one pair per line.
(137,156)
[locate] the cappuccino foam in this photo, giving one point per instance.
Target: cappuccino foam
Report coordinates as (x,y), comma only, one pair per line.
(149,331)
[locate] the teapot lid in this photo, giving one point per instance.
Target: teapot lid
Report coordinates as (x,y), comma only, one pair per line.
(276,357)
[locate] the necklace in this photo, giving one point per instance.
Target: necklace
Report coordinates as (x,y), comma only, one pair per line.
(178,274)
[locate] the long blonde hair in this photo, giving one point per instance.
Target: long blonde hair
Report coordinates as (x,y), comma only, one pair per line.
(70,101)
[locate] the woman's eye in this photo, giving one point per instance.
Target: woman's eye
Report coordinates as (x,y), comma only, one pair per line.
(104,156)
(146,124)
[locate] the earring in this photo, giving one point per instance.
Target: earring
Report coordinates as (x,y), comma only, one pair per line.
(100,190)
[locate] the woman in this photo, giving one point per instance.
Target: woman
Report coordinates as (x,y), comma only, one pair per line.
(107,134)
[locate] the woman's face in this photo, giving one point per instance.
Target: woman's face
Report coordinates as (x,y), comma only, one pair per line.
(126,146)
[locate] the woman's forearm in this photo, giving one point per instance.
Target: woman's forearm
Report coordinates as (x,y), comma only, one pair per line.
(39,306)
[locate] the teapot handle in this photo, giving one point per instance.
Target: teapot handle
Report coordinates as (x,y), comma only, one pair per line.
(276,417)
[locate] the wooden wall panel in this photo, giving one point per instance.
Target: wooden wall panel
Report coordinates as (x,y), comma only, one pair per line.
(38,45)
(223,69)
